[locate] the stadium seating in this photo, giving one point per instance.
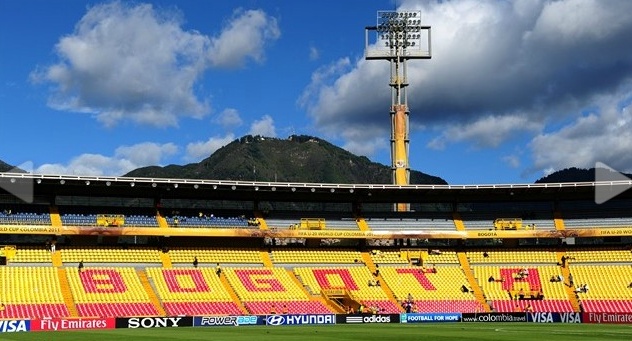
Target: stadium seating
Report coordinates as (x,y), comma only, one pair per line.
(263,290)
(431,292)
(215,255)
(109,292)
(355,280)
(608,287)
(31,292)
(319,256)
(192,291)
(110,255)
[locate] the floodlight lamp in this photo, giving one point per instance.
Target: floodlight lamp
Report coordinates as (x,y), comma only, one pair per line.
(332,190)
(12,180)
(154,185)
(175,185)
(214,186)
(39,181)
(293,189)
(132,184)
(273,189)
(256,188)
(350,190)
(87,182)
(196,186)
(313,190)
(233,187)
(62,181)
(108,183)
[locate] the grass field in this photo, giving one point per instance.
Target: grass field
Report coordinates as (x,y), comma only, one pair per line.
(367,332)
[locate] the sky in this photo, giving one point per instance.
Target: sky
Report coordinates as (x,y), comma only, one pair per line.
(514,90)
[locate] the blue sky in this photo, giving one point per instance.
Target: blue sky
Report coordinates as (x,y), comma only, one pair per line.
(514,89)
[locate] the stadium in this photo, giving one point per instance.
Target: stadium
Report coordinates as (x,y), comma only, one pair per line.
(113,252)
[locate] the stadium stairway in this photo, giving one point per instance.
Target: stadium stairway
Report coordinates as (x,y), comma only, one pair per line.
(55,219)
(262,222)
(231,291)
(368,261)
(56,259)
(362,225)
(66,292)
(558,221)
(570,290)
(265,258)
(162,222)
(469,274)
(166,260)
(153,298)
(312,297)
(458,222)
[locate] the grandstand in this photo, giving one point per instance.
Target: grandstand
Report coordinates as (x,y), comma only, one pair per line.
(98,247)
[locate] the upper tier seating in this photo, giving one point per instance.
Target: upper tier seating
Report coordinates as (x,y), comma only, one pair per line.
(321,256)
(215,255)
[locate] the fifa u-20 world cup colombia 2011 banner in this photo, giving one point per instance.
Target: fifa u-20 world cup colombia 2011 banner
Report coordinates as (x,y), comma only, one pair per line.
(327,233)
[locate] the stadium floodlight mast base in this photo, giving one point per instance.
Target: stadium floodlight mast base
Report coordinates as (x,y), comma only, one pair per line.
(399,36)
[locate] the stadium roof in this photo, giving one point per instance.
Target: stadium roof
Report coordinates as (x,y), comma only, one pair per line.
(41,185)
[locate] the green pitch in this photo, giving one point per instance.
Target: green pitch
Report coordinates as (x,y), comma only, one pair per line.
(367,332)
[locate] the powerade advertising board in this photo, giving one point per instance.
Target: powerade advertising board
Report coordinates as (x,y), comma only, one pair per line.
(213,321)
(429,317)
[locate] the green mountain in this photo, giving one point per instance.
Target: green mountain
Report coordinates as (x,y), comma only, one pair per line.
(571,175)
(5,167)
(295,159)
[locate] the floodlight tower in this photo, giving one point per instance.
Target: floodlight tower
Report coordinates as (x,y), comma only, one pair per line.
(399,36)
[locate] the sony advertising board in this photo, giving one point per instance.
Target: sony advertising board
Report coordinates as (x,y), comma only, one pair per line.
(154,322)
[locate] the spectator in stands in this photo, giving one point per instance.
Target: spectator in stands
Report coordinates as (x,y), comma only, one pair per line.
(410,298)
(501,279)
(556,278)
(195,262)
(285,310)
(517,308)
(53,245)
(464,289)
(485,254)
(491,279)
(528,308)
(630,285)
(80,266)
(273,310)
(218,270)
(571,282)
(377,270)
(377,283)
(521,294)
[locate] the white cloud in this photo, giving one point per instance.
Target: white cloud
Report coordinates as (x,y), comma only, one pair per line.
(263,127)
(243,37)
(313,53)
(603,136)
(124,160)
(489,131)
(229,118)
(491,59)
(135,62)
(203,149)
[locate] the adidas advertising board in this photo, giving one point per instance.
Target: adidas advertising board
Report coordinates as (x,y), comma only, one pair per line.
(285,320)
(244,320)
(12,326)
(368,318)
